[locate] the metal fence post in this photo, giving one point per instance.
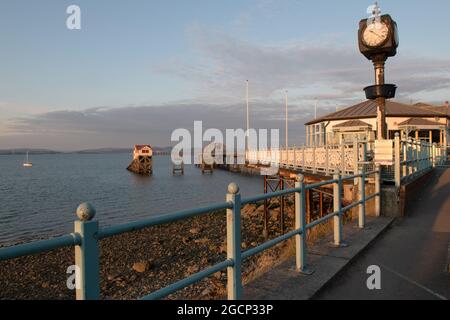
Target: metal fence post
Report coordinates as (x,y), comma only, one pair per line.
(378,190)
(362,198)
(314,159)
(355,157)
(234,278)
(397,161)
(410,156)
(295,157)
(337,205)
(303,157)
(405,157)
(416,157)
(433,155)
(301,249)
(87,255)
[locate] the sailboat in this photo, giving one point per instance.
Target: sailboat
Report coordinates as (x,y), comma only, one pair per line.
(27,163)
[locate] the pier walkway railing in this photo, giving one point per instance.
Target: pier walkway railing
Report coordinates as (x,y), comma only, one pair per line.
(409,158)
(87,234)
(327,159)
(413,158)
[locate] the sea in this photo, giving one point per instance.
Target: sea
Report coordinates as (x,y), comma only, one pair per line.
(40,202)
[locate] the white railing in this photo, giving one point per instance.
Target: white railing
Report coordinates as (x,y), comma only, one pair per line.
(413,158)
(328,159)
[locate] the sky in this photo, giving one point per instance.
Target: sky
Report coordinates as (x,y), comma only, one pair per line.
(137,70)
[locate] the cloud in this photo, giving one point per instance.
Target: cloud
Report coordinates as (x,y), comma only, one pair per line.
(324,68)
(123,127)
(333,74)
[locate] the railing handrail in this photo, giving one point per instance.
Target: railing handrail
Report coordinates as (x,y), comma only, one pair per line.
(87,233)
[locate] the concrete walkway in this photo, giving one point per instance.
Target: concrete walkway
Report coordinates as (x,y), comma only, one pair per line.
(412,255)
(283,283)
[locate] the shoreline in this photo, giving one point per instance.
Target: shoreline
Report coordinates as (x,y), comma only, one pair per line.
(135,264)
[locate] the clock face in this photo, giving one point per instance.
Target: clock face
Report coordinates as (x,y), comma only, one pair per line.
(375,34)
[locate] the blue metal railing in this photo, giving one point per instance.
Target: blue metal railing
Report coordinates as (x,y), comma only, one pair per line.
(87,234)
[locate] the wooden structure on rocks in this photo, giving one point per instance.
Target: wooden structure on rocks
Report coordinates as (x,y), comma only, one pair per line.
(178,168)
(142,160)
(319,201)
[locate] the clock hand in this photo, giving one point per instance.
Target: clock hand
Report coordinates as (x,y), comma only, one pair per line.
(375,33)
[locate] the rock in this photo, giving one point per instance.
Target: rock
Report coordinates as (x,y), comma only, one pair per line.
(111,277)
(248,210)
(206,292)
(223,248)
(192,269)
(244,245)
(45,285)
(202,241)
(140,267)
(186,240)
(275,214)
(260,208)
(204,261)
(194,231)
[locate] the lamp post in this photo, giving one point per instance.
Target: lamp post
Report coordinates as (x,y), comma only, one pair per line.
(248,119)
(287,124)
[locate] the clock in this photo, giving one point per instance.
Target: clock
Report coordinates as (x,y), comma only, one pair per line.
(378,38)
(375,34)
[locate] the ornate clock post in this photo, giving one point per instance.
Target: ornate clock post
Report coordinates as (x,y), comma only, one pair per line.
(378,40)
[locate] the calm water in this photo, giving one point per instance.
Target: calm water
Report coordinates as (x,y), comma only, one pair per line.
(41,201)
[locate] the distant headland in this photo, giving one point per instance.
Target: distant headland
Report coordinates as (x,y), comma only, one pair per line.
(22,151)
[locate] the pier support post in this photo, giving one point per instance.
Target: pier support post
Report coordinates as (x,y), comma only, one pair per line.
(362,198)
(87,255)
(234,278)
(300,224)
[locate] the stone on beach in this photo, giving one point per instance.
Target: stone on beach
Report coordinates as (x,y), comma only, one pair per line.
(140,267)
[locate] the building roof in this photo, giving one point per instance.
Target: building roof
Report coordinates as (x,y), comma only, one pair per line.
(368,109)
(419,122)
(444,109)
(353,123)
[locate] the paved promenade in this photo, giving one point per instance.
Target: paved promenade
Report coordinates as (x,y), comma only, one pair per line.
(412,255)
(283,283)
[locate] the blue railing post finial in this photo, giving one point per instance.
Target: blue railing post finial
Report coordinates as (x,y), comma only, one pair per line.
(234,278)
(87,254)
(86,212)
(300,225)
